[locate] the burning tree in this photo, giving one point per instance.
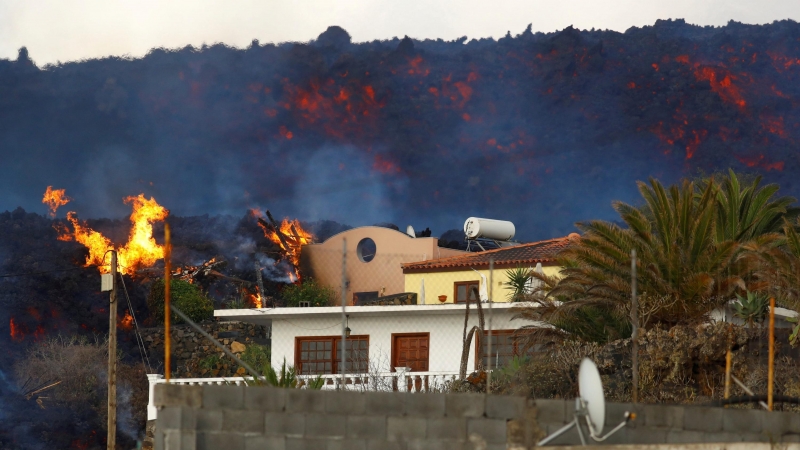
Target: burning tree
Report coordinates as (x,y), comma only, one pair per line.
(289,236)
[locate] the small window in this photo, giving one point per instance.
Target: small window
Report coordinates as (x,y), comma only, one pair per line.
(366,250)
(322,355)
(467,289)
(305,304)
(505,347)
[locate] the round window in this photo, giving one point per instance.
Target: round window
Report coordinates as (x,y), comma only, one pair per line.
(366,250)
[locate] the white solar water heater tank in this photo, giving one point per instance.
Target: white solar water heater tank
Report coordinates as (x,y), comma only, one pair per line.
(499,230)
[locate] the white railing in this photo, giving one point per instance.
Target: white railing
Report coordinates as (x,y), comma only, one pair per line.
(401,380)
(154,379)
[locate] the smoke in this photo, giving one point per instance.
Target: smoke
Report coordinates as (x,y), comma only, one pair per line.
(338,183)
(275,271)
(126,423)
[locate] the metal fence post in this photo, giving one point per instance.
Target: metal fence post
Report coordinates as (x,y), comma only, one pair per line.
(489,334)
(344,308)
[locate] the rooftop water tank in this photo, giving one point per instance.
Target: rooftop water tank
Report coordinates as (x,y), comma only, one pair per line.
(499,230)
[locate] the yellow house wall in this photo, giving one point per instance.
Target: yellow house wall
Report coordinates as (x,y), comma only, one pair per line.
(442,283)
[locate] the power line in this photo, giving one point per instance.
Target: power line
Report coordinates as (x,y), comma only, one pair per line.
(139,339)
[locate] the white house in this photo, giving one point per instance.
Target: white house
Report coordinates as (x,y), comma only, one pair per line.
(424,341)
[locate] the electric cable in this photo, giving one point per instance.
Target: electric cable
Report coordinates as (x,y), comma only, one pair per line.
(139,340)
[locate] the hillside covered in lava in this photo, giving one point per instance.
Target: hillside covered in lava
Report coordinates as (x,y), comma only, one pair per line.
(51,304)
(425,132)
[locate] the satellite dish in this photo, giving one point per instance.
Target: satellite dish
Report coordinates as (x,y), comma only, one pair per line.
(591,406)
(590,388)
(410,231)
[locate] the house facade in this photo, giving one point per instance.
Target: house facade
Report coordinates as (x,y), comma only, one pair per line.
(421,338)
(457,276)
(372,259)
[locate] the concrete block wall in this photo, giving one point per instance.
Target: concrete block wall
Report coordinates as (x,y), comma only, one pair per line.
(255,417)
(676,424)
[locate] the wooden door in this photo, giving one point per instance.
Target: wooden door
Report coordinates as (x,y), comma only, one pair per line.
(411,350)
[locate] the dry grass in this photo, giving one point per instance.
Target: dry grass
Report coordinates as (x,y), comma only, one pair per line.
(684,364)
(81,366)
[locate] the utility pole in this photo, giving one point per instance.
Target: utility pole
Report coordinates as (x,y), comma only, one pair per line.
(112,357)
(167,311)
(344,311)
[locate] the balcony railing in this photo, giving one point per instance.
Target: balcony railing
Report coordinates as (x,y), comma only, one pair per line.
(401,380)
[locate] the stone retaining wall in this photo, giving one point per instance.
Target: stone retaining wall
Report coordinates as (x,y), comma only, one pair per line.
(189,347)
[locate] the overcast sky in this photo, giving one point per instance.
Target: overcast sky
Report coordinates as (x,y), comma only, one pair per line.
(67,30)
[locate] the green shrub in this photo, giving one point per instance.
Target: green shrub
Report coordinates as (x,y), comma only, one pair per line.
(185,296)
(209,362)
(288,378)
(256,356)
(752,309)
(309,291)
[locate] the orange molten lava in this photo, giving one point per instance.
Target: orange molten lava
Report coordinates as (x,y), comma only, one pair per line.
(722,83)
(54,198)
(16,333)
(126,322)
(141,249)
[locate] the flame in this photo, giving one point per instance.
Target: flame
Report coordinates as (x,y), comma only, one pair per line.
(141,248)
(256,300)
(295,236)
(17,334)
(54,198)
(126,322)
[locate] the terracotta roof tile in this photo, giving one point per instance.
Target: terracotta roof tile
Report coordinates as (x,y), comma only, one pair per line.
(530,253)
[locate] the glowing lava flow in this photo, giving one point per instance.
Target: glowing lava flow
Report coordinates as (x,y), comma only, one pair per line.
(141,249)
(54,198)
(16,333)
(126,322)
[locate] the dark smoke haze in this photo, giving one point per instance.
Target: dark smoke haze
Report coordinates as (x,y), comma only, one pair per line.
(541,129)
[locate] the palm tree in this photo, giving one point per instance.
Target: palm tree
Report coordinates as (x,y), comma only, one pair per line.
(683,272)
(778,261)
(747,212)
(685,267)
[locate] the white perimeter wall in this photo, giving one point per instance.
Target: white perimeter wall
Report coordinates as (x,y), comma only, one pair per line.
(446,331)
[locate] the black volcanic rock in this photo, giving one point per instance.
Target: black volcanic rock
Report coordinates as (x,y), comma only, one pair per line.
(543,129)
(334,36)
